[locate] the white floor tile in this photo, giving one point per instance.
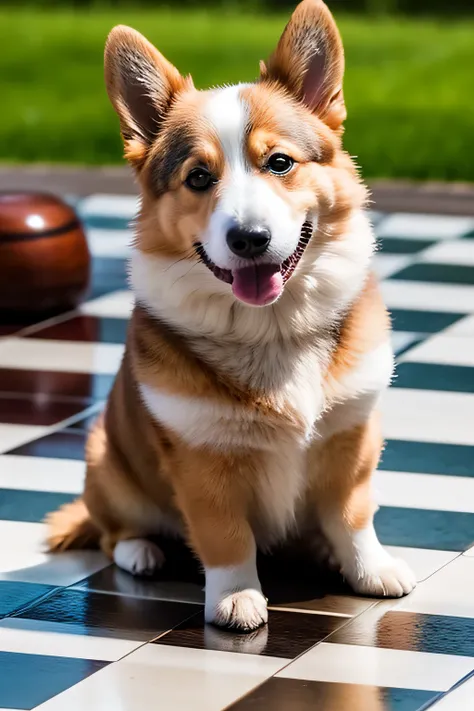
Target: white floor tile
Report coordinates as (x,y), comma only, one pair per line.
(463,327)
(62,356)
(423,561)
(428,416)
(429,227)
(428,296)
(23,636)
(354,664)
(461,699)
(425,491)
(118,304)
(12,436)
(103,205)
(469,552)
(24,559)
(387,264)
(41,474)
(450,591)
(169,678)
(444,349)
(111,244)
(460,251)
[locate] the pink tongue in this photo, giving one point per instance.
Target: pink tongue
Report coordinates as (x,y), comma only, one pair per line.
(258,285)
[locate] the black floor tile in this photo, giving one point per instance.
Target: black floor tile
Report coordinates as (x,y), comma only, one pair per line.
(428,458)
(38,410)
(30,506)
(410,631)
(287,635)
(90,613)
(27,680)
(398,245)
(14,596)
(422,321)
(281,694)
(84,388)
(434,376)
(420,528)
(440,273)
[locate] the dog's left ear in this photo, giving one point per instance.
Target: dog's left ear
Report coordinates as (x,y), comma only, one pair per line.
(309,61)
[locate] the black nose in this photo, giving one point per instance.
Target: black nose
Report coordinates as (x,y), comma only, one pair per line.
(248,242)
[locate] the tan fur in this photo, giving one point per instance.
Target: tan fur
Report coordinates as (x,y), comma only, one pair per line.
(364,328)
(272,384)
(344,465)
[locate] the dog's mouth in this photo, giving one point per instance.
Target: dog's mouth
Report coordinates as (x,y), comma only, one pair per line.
(259,284)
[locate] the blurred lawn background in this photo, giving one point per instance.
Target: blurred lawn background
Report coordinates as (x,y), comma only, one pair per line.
(409,79)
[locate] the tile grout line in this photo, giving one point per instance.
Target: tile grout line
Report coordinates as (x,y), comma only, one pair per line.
(300,656)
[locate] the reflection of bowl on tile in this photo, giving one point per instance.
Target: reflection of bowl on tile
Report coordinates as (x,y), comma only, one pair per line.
(44,257)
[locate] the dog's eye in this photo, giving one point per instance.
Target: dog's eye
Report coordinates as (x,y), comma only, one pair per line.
(280,164)
(200,179)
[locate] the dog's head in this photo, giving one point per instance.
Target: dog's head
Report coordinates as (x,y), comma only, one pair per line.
(237,180)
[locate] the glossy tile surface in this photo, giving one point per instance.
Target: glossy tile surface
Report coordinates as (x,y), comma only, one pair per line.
(376,666)
(39,411)
(84,388)
(287,634)
(14,596)
(87,635)
(109,615)
(411,631)
(88,329)
(29,679)
(65,444)
(279,694)
(171,677)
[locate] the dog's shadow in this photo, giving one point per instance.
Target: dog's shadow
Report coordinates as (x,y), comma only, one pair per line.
(288,577)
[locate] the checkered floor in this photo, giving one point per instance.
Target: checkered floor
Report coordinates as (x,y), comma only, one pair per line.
(76,633)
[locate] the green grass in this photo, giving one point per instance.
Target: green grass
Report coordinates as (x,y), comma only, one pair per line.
(408,83)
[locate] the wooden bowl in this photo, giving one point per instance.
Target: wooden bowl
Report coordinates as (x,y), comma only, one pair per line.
(44,257)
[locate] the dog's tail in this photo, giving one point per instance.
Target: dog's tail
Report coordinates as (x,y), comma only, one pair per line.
(71,528)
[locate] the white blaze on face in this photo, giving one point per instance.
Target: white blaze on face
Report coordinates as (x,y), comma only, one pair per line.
(245,196)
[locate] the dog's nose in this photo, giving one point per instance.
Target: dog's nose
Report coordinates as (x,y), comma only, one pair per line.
(248,242)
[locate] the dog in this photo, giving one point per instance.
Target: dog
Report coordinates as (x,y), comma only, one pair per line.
(244,413)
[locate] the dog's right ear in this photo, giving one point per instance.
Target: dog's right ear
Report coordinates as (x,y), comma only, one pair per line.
(141,84)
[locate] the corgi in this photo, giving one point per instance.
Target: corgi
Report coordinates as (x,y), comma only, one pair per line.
(244,413)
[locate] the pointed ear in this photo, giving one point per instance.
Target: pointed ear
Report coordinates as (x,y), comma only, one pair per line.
(141,84)
(309,61)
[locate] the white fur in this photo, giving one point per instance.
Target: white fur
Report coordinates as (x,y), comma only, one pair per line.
(138,556)
(234,596)
(190,298)
(245,198)
(357,393)
(366,565)
(201,421)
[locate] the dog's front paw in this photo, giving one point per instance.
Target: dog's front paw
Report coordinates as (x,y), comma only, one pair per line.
(389,577)
(241,610)
(139,556)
